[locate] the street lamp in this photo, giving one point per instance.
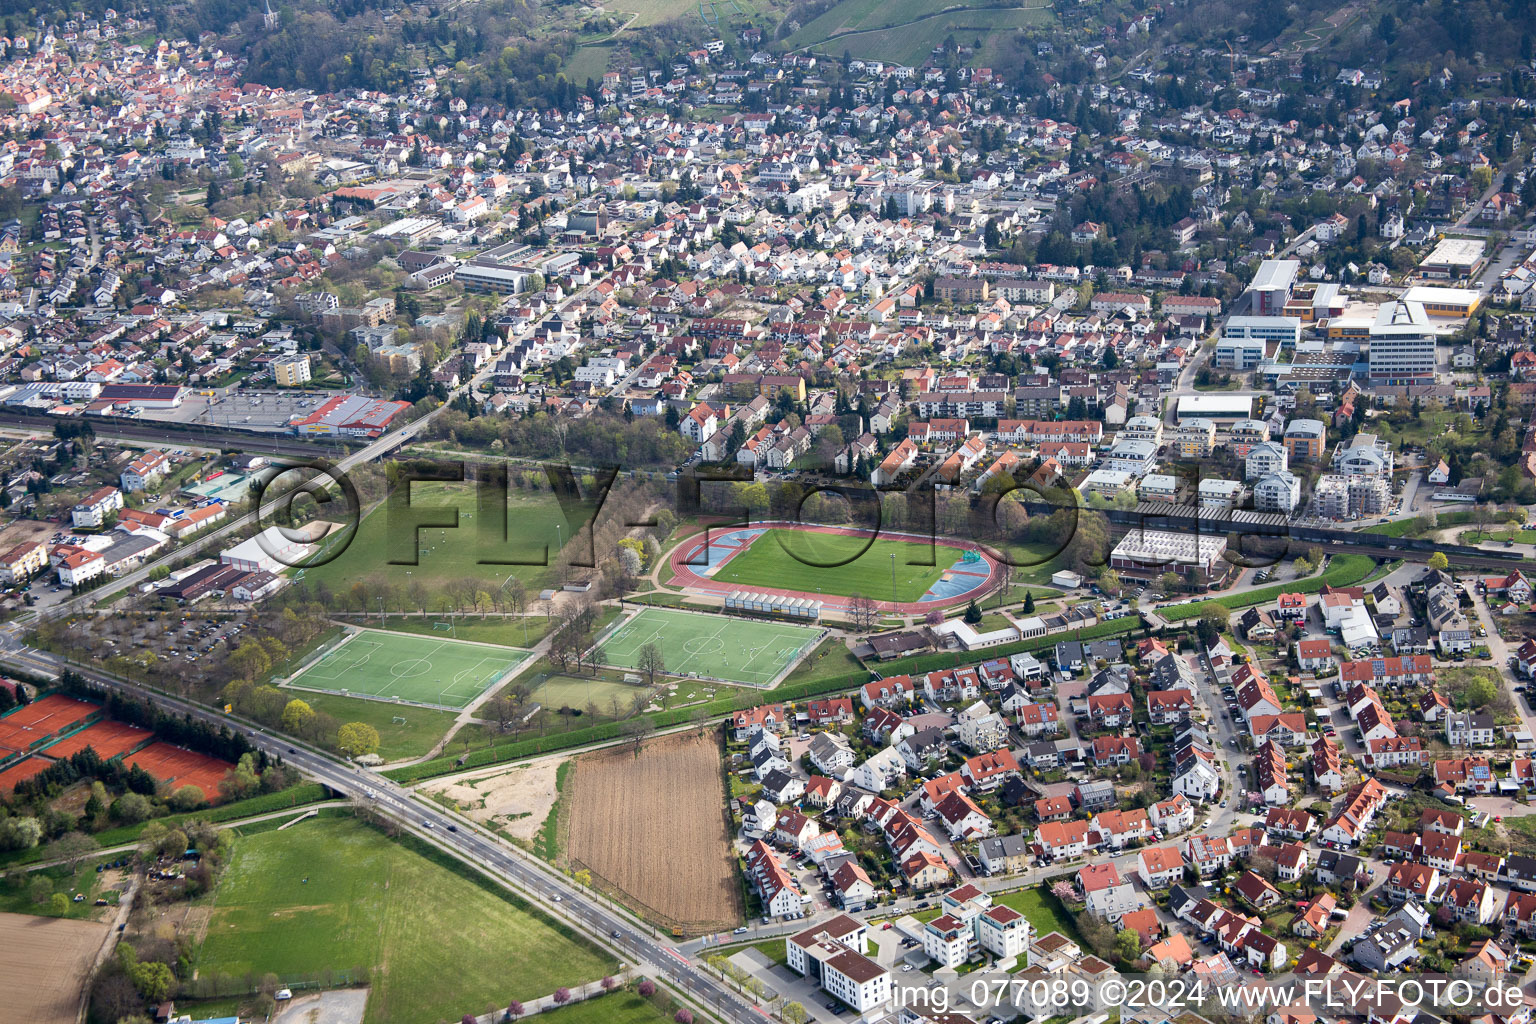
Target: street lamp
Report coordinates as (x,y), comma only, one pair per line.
(893,577)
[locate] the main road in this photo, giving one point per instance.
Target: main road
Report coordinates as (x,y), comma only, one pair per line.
(551,892)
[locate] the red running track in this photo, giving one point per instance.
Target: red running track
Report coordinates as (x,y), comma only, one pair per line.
(683,574)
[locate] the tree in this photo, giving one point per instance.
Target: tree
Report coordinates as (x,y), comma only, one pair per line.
(683,1016)
(58,905)
(794,1013)
(71,848)
(1480,692)
(514,1009)
(637,729)
(1439,561)
(1128,945)
(296,716)
(646,988)
(187,798)
(153,979)
(972,613)
(356,739)
(651,663)
(863,610)
(130,808)
(1029,603)
(562,996)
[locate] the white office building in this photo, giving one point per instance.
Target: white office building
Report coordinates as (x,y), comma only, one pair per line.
(1402,345)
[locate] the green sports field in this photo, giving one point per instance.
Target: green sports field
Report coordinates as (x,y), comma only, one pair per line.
(334,894)
(736,650)
(399,666)
(778,559)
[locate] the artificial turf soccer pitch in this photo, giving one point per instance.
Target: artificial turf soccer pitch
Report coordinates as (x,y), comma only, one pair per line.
(713,646)
(403,666)
(782,560)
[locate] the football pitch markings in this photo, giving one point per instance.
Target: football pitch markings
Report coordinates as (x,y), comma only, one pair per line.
(408,667)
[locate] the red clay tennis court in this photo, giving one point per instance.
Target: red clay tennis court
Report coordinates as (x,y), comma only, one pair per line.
(25,727)
(21,771)
(107,738)
(181,768)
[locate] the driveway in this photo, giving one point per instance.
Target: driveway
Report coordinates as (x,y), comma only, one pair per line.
(342,1006)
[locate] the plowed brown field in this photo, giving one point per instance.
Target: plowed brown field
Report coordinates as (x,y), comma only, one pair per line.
(652,830)
(43,963)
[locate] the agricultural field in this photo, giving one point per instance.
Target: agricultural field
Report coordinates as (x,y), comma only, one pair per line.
(418,669)
(446,556)
(906,31)
(335,894)
(739,650)
(648,825)
(43,966)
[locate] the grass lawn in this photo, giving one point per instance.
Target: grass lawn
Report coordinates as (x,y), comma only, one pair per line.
(1042,911)
(588,62)
(19,890)
(831,563)
(616,1008)
(830,658)
(717,646)
(333,894)
(522,631)
(446,556)
(422,728)
(578,692)
(1033,565)
(1520,536)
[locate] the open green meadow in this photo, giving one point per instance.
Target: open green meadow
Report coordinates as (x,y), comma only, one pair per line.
(906,31)
(449,555)
(578,692)
(414,737)
(399,666)
(617,1008)
(839,564)
(739,650)
(334,894)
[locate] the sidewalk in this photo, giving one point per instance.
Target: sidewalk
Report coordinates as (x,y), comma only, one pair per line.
(579,993)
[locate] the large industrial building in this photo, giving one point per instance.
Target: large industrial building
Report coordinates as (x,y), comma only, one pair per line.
(1454,258)
(1148,553)
(1221,409)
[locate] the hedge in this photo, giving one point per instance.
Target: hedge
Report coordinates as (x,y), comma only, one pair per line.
(535,745)
(293,796)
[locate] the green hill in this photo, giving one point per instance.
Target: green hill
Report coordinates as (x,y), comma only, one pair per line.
(907,31)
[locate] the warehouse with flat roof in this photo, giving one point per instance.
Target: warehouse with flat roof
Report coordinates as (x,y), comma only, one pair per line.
(1224,410)
(1454,258)
(1445,303)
